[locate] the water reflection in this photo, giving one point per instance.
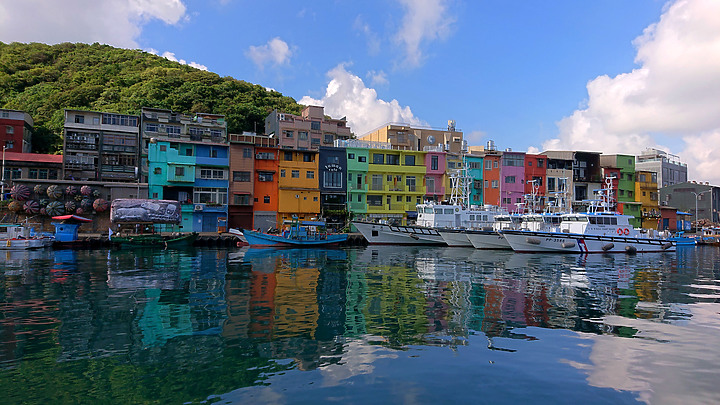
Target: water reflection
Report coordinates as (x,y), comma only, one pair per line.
(206,322)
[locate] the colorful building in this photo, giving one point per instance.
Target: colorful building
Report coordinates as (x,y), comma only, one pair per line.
(357,153)
(395,180)
(402,136)
(625,174)
(298,189)
(512,187)
(332,169)
(647,193)
(188,161)
(265,189)
(535,173)
(100,146)
(16,128)
(474,165)
(307,131)
(435,168)
(242,170)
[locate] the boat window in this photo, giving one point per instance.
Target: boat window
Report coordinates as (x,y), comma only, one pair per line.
(438,210)
(594,220)
(613,221)
(448,211)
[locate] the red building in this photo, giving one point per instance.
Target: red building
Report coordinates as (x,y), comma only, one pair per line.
(265,187)
(16,129)
(535,169)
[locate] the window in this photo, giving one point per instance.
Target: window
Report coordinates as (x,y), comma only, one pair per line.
(538,180)
(362,159)
(410,183)
(247,153)
(157,170)
(314,141)
(328,138)
(33,174)
(265,176)
(179,171)
(398,198)
(241,176)
(540,162)
(495,183)
(496,164)
(282,172)
(332,179)
(79,119)
(378,158)
(307,157)
(287,134)
(513,160)
(188,152)
(409,160)
(393,159)
(488,164)
(509,179)
(151,127)
(374,200)
(9,144)
(288,156)
(265,156)
(430,184)
(212,174)
(241,199)
(9,129)
(302,135)
(213,153)
(163,148)
(315,125)
(310,174)
(351,156)
(333,160)
(434,162)
(52,174)
(314,198)
(506,200)
(295,174)
(408,199)
(529,163)
(377,182)
(266,199)
(155,195)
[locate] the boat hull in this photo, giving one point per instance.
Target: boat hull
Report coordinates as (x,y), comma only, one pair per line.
(557,242)
(488,240)
(455,237)
(155,240)
(22,244)
(383,234)
(263,239)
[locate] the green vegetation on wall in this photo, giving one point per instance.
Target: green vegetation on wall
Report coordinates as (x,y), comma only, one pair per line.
(46,79)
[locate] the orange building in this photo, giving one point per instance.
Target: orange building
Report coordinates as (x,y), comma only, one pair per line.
(491,179)
(265,193)
(242,168)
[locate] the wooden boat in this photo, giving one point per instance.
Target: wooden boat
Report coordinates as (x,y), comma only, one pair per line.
(297,234)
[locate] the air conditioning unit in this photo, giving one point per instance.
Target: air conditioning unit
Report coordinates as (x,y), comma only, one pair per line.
(199,207)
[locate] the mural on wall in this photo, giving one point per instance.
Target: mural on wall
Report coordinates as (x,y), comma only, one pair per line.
(53,200)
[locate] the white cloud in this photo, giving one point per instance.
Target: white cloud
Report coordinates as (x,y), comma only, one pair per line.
(424,20)
(674,92)
(378,78)
(171,56)
(113,22)
(475,137)
(373,41)
(347,96)
(276,52)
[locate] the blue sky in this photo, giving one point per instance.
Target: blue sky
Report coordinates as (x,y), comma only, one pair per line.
(609,76)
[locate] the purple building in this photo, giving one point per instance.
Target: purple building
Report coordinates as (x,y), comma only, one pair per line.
(435,162)
(512,178)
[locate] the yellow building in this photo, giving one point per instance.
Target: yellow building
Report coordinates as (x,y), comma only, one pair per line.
(646,193)
(298,187)
(414,138)
(395,184)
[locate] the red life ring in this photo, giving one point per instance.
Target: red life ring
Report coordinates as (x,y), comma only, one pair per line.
(619,231)
(626,231)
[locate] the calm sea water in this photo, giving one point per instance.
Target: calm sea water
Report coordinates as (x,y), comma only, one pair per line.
(359,326)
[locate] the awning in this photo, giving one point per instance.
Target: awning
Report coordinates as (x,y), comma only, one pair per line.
(72,217)
(683,213)
(411,214)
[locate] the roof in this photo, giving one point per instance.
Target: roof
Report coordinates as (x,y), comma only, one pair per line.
(72,217)
(33,157)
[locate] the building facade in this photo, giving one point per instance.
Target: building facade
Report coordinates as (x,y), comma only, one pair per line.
(298,187)
(333,176)
(265,188)
(100,146)
(242,170)
(308,131)
(16,128)
(535,173)
(403,136)
(670,170)
(435,168)
(625,165)
(700,199)
(512,179)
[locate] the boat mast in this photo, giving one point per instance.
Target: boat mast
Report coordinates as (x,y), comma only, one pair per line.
(460,183)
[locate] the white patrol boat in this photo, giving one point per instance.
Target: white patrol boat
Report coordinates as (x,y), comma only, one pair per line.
(598,230)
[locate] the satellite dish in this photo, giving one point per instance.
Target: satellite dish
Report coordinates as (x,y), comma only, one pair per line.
(431,139)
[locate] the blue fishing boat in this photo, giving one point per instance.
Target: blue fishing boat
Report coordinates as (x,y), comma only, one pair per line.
(297,234)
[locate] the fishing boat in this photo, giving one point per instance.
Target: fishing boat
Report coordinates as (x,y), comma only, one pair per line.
(20,237)
(297,234)
(599,230)
(136,221)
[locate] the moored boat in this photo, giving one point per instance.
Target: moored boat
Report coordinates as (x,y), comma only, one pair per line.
(298,234)
(20,237)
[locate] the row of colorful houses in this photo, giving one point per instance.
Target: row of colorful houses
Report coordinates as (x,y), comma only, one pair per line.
(311,166)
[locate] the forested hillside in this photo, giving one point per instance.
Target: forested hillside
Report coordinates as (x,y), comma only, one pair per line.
(45,79)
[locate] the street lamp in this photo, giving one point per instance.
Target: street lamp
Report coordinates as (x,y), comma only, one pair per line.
(2,182)
(697,197)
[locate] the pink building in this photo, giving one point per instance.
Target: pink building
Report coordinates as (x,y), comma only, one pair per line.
(435,163)
(512,180)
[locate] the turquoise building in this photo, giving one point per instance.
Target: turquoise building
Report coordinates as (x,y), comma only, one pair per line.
(188,161)
(475,171)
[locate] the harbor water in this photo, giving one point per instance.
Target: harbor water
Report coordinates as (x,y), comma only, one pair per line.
(388,324)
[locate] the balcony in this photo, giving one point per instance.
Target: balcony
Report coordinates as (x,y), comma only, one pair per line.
(376,208)
(397,207)
(355,187)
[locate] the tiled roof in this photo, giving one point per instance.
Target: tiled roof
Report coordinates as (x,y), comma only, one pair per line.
(33,157)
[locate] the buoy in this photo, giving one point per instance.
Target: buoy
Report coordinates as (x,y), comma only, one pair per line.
(568,244)
(630,249)
(608,246)
(532,241)
(667,245)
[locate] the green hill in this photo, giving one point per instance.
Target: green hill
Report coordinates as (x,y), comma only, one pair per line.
(45,79)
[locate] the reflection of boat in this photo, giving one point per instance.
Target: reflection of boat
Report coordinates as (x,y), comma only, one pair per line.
(238,233)
(298,234)
(19,237)
(268,260)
